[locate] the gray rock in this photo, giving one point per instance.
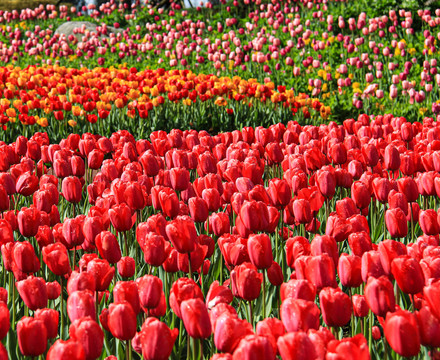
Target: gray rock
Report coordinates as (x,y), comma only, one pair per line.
(68,27)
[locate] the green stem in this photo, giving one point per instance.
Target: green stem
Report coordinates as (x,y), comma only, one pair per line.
(264,294)
(128,350)
(62,310)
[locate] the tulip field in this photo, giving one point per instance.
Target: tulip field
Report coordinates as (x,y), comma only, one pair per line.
(238,181)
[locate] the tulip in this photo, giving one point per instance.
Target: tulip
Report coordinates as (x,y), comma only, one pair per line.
(402,333)
(336,307)
(254,344)
(56,258)
(108,247)
(50,318)
(320,271)
(28,221)
(408,274)
(66,350)
(81,303)
(102,272)
(183,289)
(157,339)
(299,314)
(126,267)
(428,327)
(89,334)
(229,330)
(4,320)
(360,194)
(380,295)
(349,348)
(195,318)
(428,222)
(25,258)
(72,189)
(260,251)
(127,291)
(246,282)
(122,320)
(396,223)
(33,292)
(32,336)
(296,345)
(349,270)
(218,294)
(182,234)
(431,294)
(154,249)
(120,217)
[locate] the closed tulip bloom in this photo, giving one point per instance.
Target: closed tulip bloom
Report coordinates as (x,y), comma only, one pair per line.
(28,220)
(360,194)
(127,291)
(218,294)
(182,234)
(302,211)
(32,336)
(72,189)
(183,289)
(42,200)
(272,329)
(92,226)
(381,188)
(120,217)
(432,296)
(359,242)
(246,282)
(126,267)
(396,223)
(360,306)
(371,265)
(326,182)
(324,244)
(56,258)
(296,346)
(89,334)
(251,345)
(81,281)
(402,333)
(391,158)
(408,186)
(408,274)
(346,208)
(355,348)
(370,154)
(429,327)
(72,232)
(154,248)
(379,294)
(260,251)
(428,222)
(279,192)
(81,304)
(299,314)
(275,274)
(349,270)
(53,290)
(336,307)
(66,350)
(298,289)
(25,258)
(320,271)
(50,318)
(26,184)
(33,292)
(4,320)
(219,224)
(150,290)
(157,339)
(108,247)
(169,202)
(195,318)
(198,209)
(134,196)
(229,330)
(102,272)
(122,320)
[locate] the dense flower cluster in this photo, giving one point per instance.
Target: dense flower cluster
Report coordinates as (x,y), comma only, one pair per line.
(290,220)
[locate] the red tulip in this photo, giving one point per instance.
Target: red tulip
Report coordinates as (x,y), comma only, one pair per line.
(81,304)
(56,258)
(102,272)
(4,320)
(335,307)
(72,189)
(108,246)
(251,345)
(349,270)
(429,327)
(298,289)
(157,339)
(360,194)
(229,330)
(122,320)
(182,234)
(396,223)
(408,274)
(402,333)
(302,211)
(33,292)
(120,216)
(379,294)
(28,221)
(183,289)
(388,251)
(355,348)
(32,336)
(246,282)
(360,306)
(296,346)
(50,318)
(126,267)
(127,291)
(299,314)
(25,258)
(195,318)
(89,334)
(260,251)
(320,271)
(81,281)
(66,350)
(198,209)
(428,222)
(432,296)
(218,294)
